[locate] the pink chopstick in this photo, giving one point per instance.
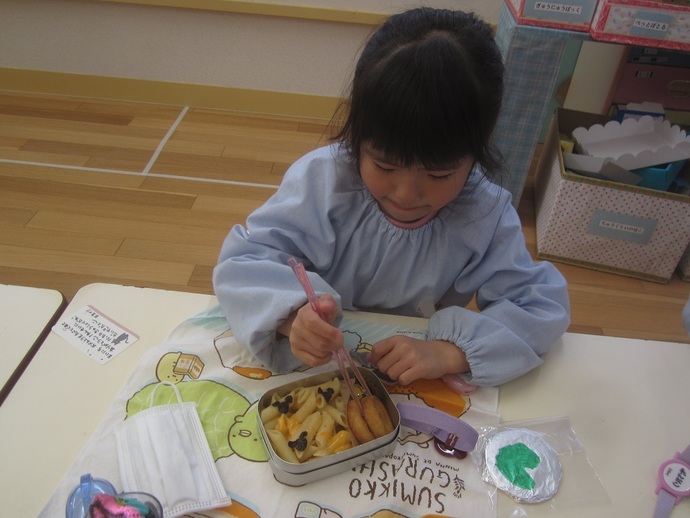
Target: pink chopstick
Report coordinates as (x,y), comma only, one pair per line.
(341,356)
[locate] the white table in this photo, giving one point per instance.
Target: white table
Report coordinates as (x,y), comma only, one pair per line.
(25,315)
(59,400)
(625,399)
(629,404)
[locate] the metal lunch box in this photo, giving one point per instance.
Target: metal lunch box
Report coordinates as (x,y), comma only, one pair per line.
(293,474)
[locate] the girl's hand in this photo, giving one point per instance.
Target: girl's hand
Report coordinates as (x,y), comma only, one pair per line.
(407,359)
(311,339)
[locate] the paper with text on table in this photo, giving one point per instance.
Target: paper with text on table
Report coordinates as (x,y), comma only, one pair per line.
(95,334)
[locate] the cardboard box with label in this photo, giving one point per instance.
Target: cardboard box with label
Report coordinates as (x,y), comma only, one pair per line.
(656,23)
(574,15)
(601,224)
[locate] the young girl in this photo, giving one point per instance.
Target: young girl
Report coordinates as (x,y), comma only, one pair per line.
(399,216)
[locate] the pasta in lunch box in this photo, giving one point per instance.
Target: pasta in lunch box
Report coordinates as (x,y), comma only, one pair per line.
(309,422)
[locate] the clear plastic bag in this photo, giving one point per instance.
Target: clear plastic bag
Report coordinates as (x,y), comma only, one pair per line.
(579,486)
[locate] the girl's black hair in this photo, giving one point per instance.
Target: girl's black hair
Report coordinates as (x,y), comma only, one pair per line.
(427,91)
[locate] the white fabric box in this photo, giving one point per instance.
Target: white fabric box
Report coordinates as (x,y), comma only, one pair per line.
(605,225)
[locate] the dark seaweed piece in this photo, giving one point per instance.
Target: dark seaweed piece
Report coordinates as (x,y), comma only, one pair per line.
(327,394)
(300,444)
(284,405)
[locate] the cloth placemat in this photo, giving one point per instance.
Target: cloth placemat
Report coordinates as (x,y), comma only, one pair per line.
(208,366)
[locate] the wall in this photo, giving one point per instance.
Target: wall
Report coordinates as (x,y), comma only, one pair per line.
(66,39)
(594,76)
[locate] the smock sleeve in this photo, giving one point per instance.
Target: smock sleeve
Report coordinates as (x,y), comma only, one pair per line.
(255,286)
(523,309)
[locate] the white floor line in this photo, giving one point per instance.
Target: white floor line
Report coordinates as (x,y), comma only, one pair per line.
(138,173)
(62,166)
(163,142)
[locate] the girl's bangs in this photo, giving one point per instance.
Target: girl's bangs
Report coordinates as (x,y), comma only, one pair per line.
(406,114)
(409,137)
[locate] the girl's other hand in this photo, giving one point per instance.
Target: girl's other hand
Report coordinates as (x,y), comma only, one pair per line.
(313,340)
(407,359)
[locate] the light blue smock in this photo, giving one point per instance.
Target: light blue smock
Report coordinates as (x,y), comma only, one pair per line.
(324,216)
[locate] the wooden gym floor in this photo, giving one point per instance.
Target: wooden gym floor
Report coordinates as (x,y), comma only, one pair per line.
(144,194)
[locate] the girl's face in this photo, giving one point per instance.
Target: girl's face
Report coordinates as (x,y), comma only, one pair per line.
(409,194)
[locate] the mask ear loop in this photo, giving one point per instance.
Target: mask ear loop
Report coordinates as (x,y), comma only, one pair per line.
(174,387)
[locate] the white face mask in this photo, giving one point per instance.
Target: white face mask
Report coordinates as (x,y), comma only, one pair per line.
(163,451)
